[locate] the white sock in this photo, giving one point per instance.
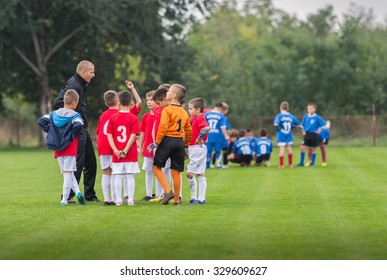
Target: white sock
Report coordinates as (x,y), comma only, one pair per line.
(131,186)
(149,182)
(74,184)
(106,187)
(159,188)
(202,182)
(119,178)
(112,190)
(66,186)
(167,173)
(193,187)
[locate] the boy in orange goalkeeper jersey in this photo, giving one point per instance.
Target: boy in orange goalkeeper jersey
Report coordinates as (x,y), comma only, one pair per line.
(173,137)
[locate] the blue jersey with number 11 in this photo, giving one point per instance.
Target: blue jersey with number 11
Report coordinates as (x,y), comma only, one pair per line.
(285,122)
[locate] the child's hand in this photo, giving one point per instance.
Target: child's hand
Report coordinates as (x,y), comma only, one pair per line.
(199,141)
(151,147)
(129,84)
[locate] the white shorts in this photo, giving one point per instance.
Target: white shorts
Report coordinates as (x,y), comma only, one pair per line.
(105,161)
(284,144)
(197,159)
(147,164)
(67,163)
(125,168)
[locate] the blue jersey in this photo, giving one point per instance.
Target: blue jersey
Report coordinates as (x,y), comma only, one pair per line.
(253,142)
(228,127)
(312,123)
(263,146)
(215,121)
(285,122)
(242,147)
(324,135)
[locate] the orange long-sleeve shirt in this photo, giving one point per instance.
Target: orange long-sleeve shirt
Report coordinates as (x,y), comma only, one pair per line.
(174,122)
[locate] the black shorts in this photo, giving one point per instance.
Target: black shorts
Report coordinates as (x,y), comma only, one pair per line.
(170,147)
(261,158)
(324,141)
(310,140)
(242,158)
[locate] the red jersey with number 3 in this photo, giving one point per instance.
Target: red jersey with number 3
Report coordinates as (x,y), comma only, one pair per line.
(101,131)
(121,126)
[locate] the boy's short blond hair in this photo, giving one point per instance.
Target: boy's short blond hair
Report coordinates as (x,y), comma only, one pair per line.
(284,105)
(110,97)
(179,90)
(150,93)
(84,65)
(70,96)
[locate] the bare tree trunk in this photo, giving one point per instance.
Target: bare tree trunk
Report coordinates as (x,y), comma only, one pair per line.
(45,100)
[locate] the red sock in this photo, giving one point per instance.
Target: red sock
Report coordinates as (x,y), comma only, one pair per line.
(281,160)
(323,153)
(290,159)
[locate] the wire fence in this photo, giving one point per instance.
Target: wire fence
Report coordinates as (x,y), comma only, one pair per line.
(356,130)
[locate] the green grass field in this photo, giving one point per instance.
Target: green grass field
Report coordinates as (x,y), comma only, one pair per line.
(337,212)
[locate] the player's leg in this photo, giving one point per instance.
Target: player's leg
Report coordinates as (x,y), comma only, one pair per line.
(281,154)
(290,154)
(218,154)
(202,182)
(323,153)
(131,186)
(210,147)
(147,167)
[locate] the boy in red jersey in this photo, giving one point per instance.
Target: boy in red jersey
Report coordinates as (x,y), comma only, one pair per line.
(197,151)
(174,134)
(122,130)
(63,127)
(146,138)
(104,150)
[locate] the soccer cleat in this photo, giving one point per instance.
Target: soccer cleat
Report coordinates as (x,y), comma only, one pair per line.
(146,198)
(307,164)
(63,203)
(81,198)
(324,164)
(281,166)
(193,201)
(112,203)
(167,197)
(118,203)
(177,203)
(201,201)
(300,165)
(290,165)
(131,202)
(156,199)
(106,203)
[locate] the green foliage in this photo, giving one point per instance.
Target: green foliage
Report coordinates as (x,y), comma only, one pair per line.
(254,57)
(337,212)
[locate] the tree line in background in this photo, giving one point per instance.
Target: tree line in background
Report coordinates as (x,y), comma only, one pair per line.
(246,53)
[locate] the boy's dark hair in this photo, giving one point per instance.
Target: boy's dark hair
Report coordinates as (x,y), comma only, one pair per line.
(160,94)
(198,103)
(70,96)
(110,97)
(263,132)
(125,97)
(219,105)
(242,133)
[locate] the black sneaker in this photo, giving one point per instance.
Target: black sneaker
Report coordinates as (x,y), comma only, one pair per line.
(146,198)
(69,200)
(94,199)
(112,203)
(106,203)
(167,197)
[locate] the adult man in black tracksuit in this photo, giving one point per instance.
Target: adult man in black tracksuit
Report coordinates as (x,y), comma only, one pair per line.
(86,160)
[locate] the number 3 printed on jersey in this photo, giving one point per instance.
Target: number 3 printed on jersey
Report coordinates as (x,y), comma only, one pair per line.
(123,137)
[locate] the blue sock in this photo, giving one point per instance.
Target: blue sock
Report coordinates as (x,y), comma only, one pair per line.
(302,155)
(313,159)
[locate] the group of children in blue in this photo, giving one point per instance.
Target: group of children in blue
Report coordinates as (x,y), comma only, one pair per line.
(243,147)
